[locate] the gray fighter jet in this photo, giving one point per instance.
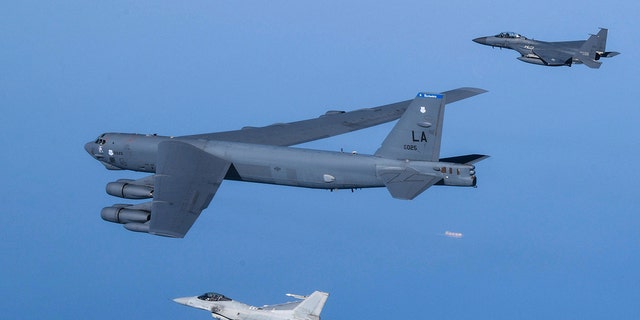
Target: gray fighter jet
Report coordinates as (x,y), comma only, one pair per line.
(564,53)
(189,169)
(223,308)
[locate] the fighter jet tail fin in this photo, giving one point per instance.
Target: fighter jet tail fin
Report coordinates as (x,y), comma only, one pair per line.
(311,306)
(599,41)
(593,49)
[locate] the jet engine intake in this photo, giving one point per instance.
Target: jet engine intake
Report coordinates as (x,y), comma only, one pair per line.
(125,189)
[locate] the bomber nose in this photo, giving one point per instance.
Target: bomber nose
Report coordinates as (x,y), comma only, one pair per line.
(89,148)
(481,40)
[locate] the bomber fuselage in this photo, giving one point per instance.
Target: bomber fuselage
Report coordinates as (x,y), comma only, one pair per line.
(274,164)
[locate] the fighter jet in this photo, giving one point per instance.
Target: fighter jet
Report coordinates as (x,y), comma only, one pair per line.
(223,308)
(564,53)
(188,170)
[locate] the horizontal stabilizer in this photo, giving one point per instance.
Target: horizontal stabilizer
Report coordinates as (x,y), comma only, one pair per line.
(466,159)
(610,54)
(591,63)
(405,183)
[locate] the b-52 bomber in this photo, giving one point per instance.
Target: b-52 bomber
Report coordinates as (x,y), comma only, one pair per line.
(223,308)
(188,170)
(564,53)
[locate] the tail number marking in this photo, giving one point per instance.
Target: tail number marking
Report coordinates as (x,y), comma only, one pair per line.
(421,138)
(411,147)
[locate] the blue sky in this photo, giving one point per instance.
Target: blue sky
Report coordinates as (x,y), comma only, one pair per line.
(550,232)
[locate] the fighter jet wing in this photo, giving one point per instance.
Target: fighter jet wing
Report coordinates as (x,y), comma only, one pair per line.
(553,57)
(282,306)
(186,180)
(328,125)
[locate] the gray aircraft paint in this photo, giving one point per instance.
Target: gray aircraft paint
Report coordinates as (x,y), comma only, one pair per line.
(189,170)
(223,308)
(562,53)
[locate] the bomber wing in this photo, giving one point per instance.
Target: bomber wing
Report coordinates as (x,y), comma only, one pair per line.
(328,125)
(186,180)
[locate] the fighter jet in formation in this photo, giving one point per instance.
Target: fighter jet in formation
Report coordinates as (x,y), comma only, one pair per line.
(223,308)
(188,170)
(564,53)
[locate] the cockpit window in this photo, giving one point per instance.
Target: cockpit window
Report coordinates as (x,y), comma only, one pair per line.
(212,296)
(511,35)
(100,140)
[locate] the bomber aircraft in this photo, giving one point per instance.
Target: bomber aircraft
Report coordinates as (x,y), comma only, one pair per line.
(188,170)
(223,308)
(563,53)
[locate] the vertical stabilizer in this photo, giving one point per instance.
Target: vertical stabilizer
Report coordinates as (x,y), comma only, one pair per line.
(600,40)
(418,133)
(592,49)
(311,307)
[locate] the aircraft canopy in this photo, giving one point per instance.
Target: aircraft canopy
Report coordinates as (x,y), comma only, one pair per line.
(212,296)
(511,35)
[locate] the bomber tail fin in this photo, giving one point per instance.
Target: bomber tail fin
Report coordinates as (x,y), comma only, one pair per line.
(417,135)
(416,138)
(311,307)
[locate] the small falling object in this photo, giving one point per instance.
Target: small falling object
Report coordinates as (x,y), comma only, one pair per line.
(451,234)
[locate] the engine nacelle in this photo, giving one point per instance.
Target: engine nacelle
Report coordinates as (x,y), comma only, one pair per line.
(125,189)
(125,215)
(137,227)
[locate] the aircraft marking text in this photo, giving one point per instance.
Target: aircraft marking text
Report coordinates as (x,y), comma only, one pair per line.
(422,138)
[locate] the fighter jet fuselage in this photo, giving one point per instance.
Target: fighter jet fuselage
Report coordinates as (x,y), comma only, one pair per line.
(223,308)
(563,53)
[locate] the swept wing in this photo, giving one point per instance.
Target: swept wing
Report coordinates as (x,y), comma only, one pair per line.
(186,180)
(553,57)
(329,125)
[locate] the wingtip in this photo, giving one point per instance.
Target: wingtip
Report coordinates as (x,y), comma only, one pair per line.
(473,90)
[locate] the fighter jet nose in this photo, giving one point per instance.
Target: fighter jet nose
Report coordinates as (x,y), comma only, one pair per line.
(184,301)
(481,40)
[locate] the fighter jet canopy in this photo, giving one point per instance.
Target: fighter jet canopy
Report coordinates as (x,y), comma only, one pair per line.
(212,296)
(511,35)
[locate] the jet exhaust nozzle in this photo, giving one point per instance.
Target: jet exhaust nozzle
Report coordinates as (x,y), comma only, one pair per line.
(137,227)
(125,189)
(124,215)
